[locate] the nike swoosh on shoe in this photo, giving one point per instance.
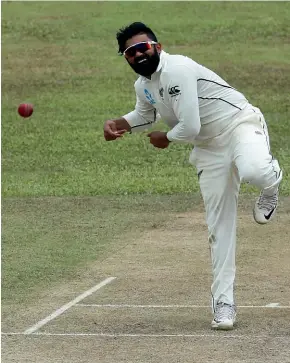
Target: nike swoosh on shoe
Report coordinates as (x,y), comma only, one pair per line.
(269,215)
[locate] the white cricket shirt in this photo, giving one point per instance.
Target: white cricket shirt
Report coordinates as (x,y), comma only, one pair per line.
(192,100)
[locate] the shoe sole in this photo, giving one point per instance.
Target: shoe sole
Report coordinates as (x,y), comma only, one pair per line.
(222,326)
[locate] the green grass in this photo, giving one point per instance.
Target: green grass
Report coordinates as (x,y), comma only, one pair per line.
(62,58)
(46,240)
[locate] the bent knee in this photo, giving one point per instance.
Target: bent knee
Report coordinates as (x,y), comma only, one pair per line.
(255,172)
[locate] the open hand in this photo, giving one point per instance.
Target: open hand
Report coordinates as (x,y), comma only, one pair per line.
(159,139)
(111,132)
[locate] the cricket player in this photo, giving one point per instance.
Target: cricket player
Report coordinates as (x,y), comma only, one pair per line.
(230,145)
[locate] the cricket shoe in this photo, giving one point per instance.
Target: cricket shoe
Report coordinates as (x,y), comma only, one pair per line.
(265,207)
(224,316)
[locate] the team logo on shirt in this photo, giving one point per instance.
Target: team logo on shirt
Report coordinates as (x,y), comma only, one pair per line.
(149,97)
(174,91)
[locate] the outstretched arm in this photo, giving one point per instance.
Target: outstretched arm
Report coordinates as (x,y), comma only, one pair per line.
(140,119)
(143,117)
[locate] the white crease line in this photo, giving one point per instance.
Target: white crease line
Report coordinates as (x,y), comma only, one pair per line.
(273,305)
(121,306)
(107,335)
(141,306)
(67,306)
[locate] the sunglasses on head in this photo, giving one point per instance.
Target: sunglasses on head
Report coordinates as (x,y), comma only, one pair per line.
(141,47)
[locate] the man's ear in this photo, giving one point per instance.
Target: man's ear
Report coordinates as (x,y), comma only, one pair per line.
(159,47)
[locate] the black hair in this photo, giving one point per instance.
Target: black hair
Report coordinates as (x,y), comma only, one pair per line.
(129,31)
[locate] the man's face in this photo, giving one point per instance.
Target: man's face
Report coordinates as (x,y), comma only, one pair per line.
(143,61)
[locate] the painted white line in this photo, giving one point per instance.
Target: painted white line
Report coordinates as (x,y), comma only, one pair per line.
(273,305)
(124,306)
(67,306)
(107,335)
(121,306)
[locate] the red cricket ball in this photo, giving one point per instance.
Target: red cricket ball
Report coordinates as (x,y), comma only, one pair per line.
(25,109)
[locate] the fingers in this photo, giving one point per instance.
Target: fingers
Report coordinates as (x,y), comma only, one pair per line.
(118,133)
(110,134)
(109,137)
(110,130)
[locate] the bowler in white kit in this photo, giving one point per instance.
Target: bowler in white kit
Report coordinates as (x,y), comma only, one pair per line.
(230,145)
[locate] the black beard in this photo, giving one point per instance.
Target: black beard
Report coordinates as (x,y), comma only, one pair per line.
(149,66)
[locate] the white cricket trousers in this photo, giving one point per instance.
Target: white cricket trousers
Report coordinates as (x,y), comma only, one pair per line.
(240,154)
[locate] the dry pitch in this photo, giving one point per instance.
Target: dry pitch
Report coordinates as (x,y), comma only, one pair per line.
(157,307)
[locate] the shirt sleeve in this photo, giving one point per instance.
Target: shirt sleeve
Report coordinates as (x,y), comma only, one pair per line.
(183,97)
(144,115)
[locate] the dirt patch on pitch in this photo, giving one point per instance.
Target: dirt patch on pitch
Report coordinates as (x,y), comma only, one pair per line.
(168,265)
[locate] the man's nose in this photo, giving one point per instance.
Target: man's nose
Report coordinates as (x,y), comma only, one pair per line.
(138,54)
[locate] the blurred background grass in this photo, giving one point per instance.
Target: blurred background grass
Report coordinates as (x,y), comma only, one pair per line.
(62,57)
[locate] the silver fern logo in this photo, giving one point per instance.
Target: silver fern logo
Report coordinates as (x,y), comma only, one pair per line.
(149,97)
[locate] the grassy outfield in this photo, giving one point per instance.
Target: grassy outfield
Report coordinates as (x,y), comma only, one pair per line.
(44,240)
(62,57)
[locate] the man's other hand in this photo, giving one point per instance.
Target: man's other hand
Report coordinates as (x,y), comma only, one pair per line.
(159,139)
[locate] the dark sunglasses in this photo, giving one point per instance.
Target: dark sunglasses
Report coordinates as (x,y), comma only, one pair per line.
(141,47)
